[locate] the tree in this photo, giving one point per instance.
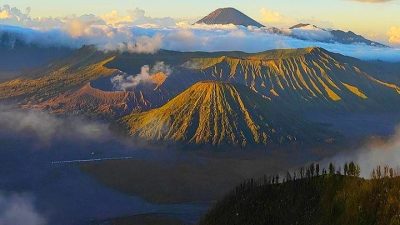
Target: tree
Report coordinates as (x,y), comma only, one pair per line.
(352,169)
(312,169)
(346,169)
(373,174)
(331,169)
(288,176)
(357,171)
(302,172)
(378,172)
(317,169)
(391,173)
(339,171)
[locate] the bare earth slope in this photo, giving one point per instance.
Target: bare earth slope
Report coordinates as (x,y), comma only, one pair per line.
(219,113)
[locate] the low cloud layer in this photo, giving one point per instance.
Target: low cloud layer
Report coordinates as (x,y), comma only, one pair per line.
(48,127)
(148,75)
(19,209)
(136,32)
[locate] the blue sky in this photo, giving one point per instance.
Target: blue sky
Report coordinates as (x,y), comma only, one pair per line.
(373,20)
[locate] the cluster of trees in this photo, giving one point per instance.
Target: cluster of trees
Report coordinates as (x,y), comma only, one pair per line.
(308,172)
(385,172)
(327,198)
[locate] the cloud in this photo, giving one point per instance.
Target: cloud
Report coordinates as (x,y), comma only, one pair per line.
(374,153)
(48,127)
(310,32)
(273,18)
(136,17)
(373,1)
(109,32)
(394,35)
(147,75)
(18,209)
(117,32)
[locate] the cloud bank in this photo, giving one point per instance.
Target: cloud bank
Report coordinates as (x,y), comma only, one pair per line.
(18,209)
(136,32)
(48,127)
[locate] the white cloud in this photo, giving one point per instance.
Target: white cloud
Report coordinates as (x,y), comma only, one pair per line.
(48,127)
(273,18)
(119,32)
(394,35)
(18,209)
(310,32)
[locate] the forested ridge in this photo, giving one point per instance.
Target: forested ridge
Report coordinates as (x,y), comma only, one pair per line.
(313,196)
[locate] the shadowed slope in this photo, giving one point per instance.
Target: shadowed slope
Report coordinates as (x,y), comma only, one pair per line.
(219,113)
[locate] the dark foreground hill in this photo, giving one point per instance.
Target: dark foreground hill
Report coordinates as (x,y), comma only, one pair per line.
(324,200)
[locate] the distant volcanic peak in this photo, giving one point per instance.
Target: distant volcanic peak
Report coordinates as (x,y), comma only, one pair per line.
(301,25)
(229,16)
(338,36)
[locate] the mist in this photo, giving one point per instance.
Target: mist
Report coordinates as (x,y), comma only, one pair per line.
(149,38)
(46,127)
(373,153)
(18,209)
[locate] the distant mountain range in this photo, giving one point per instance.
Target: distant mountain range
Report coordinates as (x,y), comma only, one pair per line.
(220,98)
(299,31)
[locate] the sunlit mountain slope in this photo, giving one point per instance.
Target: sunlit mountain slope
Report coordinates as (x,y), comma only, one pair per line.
(220,113)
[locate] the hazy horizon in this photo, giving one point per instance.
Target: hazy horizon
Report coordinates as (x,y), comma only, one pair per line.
(377,20)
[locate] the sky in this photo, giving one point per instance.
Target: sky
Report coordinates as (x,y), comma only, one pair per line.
(372,18)
(149,25)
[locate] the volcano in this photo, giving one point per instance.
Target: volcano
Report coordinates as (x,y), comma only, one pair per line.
(229,16)
(222,114)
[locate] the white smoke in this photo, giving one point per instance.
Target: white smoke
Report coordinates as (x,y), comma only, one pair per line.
(19,209)
(126,82)
(372,154)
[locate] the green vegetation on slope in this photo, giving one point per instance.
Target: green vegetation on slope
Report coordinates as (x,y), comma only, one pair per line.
(327,199)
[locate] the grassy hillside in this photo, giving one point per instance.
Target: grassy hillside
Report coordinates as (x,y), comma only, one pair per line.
(323,200)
